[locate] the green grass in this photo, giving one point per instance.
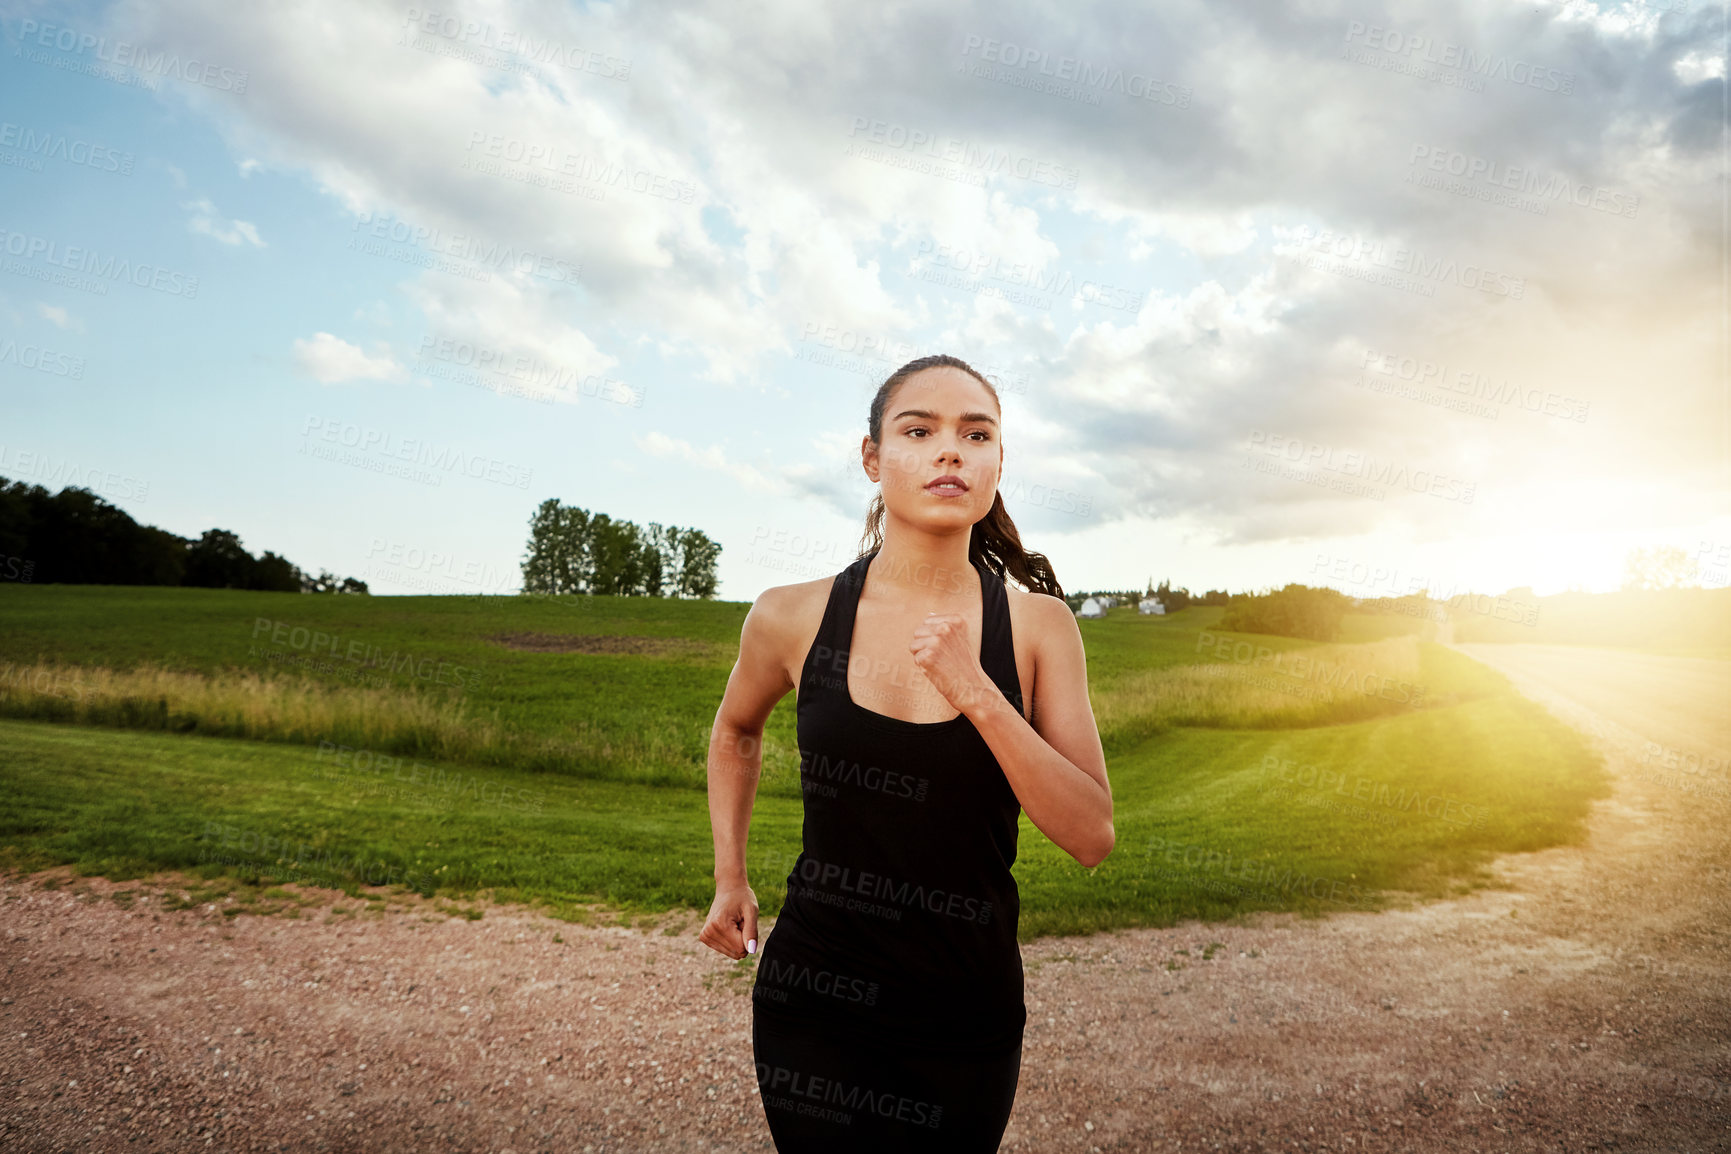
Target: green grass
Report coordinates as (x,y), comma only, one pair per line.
(1199,746)
(623,717)
(125,804)
(195,661)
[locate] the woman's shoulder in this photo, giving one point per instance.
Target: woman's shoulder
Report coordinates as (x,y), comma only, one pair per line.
(787,616)
(1037,615)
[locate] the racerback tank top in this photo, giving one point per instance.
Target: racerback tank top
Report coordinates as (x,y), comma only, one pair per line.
(901,911)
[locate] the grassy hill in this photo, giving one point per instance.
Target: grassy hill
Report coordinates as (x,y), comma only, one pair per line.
(420,745)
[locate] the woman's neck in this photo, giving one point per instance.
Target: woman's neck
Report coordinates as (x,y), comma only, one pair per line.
(922,568)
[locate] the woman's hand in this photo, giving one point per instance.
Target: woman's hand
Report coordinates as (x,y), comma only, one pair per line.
(944,652)
(732,925)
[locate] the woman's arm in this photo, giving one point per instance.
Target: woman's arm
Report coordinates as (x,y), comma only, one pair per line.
(1056,765)
(759,680)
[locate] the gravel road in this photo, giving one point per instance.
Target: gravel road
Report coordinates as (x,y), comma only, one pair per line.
(1585,1005)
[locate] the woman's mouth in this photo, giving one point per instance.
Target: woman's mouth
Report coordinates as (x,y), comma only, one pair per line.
(948,485)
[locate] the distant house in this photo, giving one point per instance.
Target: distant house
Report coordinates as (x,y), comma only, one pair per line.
(1150,605)
(1108,601)
(1092,608)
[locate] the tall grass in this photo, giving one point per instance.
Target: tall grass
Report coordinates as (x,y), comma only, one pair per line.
(241,703)
(298,709)
(1264,689)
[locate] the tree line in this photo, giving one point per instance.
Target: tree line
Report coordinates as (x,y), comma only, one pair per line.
(74,537)
(573,550)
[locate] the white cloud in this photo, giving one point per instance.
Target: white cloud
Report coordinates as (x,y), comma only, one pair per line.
(712,458)
(773,225)
(330,359)
(60,318)
(208,222)
(1697,67)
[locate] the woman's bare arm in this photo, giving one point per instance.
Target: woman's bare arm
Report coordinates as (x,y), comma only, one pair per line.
(1055,765)
(759,680)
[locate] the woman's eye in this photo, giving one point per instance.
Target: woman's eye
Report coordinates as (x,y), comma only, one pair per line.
(981,434)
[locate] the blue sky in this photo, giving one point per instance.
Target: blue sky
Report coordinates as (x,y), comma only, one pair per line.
(1360,296)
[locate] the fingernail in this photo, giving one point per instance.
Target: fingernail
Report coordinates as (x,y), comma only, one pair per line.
(751,946)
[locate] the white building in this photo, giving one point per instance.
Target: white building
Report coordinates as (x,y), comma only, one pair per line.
(1091,608)
(1150,605)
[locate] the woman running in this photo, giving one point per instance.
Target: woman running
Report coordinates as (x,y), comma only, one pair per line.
(887,1006)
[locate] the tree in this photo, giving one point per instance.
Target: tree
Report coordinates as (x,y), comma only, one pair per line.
(616,557)
(1172,599)
(557,548)
(217,560)
(74,537)
(572,550)
(1293,611)
(697,557)
(275,574)
(1662,567)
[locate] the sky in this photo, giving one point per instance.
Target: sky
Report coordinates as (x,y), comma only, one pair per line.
(1378,296)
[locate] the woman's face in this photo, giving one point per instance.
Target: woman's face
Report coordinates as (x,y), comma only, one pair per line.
(939,423)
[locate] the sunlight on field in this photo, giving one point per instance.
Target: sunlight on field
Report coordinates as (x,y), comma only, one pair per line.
(1262,688)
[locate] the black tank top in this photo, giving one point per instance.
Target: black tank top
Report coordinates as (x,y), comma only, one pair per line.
(901,912)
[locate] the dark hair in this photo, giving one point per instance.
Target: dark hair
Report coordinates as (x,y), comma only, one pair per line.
(995,542)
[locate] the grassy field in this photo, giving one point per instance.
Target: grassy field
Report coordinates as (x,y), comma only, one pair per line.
(1672,622)
(1248,772)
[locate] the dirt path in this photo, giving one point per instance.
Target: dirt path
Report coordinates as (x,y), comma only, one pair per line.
(1587,1007)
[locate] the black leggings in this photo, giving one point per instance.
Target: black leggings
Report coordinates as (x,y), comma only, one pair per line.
(826,1091)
